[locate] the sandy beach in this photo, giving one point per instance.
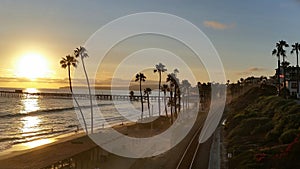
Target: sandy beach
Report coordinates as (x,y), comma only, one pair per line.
(66,147)
(47,154)
(78,147)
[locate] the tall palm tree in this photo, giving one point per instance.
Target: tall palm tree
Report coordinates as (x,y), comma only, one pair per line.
(147,92)
(164,88)
(82,53)
(296,48)
(176,91)
(173,100)
(186,85)
(201,95)
(280,51)
(160,68)
(141,78)
(67,62)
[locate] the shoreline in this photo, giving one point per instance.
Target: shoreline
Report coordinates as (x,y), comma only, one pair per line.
(63,147)
(26,147)
(23,148)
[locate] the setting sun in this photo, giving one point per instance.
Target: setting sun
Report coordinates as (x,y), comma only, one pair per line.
(32,66)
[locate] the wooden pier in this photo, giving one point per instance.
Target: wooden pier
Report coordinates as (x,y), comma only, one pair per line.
(69,96)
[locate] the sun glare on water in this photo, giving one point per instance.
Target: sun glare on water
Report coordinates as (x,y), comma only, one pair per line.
(32,66)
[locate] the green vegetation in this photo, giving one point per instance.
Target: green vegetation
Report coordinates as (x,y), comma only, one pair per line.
(263,130)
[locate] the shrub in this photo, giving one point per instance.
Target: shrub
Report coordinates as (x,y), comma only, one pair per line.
(263,128)
(288,136)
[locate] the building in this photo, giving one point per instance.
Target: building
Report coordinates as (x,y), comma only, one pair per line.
(291,79)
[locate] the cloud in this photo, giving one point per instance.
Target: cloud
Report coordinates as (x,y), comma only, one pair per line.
(217,25)
(251,70)
(256,69)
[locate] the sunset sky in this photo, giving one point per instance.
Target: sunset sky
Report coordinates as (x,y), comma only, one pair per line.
(34,35)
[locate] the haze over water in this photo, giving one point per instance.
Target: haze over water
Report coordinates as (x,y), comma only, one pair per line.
(32,118)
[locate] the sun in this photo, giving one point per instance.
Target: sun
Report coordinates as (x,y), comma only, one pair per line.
(32,66)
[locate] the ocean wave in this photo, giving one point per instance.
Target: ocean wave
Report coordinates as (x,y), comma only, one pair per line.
(48,110)
(27,138)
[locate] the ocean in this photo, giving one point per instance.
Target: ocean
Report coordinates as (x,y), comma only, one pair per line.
(27,119)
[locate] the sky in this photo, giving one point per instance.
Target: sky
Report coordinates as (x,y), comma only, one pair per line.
(243,32)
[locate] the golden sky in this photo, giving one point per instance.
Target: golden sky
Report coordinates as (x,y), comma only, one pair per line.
(36,34)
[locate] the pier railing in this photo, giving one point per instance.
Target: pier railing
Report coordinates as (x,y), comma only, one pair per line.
(69,95)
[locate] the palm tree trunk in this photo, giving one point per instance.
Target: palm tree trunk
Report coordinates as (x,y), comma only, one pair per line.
(179,100)
(159,84)
(141,99)
(188,98)
(297,73)
(148,103)
(171,98)
(70,81)
(278,74)
(165,102)
(90,94)
(71,89)
(183,101)
(175,101)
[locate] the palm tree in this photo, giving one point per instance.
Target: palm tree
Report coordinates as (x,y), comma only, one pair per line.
(186,85)
(296,48)
(82,53)
(170,102)
(242,84)
(175,71)
(67,62)
(160,68)
(201,94)
(280,51)
(228,82)
(164,88)
(285,64)
(173,84)
(147,91)
(141,78)
(131,95)
(176,91)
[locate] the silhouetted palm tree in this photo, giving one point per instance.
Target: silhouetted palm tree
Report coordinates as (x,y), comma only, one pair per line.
(82,53)
(164,88)
(177,95)
(67,62)
(147,92)
(175,71)
(201,95)
(186,85)
(131,95)
(170,102)
(173,84)
(296,48)
(141,78)
(242,84)
(280,51)
(285,64)
(160,68)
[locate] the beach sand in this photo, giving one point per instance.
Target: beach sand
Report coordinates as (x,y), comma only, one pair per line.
(79,148)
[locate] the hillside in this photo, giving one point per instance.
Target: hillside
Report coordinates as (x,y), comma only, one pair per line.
(263,131)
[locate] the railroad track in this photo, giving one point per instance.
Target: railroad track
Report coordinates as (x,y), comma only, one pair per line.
(190,153)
